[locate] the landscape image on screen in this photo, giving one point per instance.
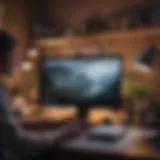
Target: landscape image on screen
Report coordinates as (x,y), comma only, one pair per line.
(88,81)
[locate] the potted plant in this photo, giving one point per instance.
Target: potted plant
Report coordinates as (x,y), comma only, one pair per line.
(135,95)
(128,97)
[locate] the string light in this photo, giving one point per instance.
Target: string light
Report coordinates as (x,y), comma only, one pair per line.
(27,66)
(32,53)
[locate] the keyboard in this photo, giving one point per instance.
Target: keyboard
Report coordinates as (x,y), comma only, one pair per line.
(106,133)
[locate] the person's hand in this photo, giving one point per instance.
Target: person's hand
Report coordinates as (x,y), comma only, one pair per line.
(67,132)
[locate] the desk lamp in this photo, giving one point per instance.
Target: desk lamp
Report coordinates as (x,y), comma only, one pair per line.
(150,59)
(145,58)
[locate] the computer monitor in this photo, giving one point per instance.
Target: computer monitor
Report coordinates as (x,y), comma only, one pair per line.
(81,81)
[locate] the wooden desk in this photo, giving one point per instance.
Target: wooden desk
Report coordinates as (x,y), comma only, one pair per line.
(133,145)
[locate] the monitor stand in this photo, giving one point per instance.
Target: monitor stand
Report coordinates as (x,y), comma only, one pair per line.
(82,116)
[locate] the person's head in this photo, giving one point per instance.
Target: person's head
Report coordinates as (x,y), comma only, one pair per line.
(8,54)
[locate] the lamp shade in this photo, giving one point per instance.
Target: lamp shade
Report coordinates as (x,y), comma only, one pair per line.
(146,56)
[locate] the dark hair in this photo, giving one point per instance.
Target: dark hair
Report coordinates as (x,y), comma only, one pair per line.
(7,44)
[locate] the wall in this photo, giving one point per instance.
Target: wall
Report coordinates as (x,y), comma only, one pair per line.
(128,44)
(38,14)
(76,11)
(15,20)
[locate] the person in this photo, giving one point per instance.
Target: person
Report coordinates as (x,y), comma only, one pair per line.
(13,139)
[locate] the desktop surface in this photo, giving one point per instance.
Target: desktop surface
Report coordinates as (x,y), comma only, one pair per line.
(133,144)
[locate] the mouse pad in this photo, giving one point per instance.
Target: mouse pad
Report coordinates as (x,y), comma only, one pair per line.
(131,137)
(114,131)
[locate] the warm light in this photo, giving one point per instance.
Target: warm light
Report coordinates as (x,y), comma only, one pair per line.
(32,53)
(143,68)
(27,66)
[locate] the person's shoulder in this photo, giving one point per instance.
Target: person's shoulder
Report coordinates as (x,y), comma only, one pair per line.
(3,91)
(2,88)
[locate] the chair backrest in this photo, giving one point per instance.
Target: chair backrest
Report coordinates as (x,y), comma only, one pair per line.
(2,152)
(6,155)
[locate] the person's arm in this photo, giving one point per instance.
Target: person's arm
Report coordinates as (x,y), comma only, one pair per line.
(13,137)
(19,142)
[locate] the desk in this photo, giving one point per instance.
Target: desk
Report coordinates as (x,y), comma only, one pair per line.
(132,146)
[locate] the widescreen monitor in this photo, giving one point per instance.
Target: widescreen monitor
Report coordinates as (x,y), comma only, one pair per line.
(81,81)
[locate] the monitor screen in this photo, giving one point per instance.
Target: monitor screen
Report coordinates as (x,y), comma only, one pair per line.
(80,81)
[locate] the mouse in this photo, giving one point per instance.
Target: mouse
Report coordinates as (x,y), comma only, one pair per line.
(154,139)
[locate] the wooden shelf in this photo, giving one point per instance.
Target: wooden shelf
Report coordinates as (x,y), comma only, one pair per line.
(125,43)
